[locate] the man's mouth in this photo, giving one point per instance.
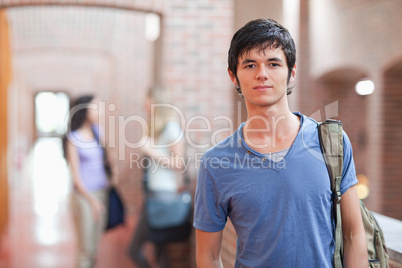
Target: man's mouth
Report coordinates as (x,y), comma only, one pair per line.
(262,87)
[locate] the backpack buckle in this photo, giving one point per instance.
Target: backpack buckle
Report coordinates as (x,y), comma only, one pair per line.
(338,197)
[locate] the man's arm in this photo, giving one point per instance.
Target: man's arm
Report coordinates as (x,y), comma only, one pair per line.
(354,237)
(208,247)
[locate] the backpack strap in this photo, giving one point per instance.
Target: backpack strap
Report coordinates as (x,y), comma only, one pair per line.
(331,141)
(106,163)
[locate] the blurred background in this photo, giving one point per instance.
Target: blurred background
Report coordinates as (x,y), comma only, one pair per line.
(349,63)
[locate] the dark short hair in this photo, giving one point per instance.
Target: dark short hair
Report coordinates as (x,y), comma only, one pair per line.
(261,34)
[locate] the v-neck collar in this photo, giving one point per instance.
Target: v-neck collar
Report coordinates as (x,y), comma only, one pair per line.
(273,165)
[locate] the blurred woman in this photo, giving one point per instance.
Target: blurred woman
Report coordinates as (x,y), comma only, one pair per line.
(90,181)
(164,144)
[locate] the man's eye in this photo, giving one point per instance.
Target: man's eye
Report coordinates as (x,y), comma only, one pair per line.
(275,64)
(250,66)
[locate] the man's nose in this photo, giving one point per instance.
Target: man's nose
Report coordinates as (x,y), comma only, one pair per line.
(262,73)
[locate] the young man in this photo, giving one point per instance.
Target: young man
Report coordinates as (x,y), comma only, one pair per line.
(269,177)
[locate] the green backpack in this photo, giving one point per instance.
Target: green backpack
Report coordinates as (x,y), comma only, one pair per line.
(331,140)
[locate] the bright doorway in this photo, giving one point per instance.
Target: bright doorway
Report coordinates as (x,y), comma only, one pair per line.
(51,114)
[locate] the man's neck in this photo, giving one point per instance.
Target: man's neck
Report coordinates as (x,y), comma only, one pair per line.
(269,129)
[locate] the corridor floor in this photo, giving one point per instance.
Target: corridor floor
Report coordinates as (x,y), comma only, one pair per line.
(40,232)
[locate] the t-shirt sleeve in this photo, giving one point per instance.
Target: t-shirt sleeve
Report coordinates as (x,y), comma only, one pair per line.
(210,212)
(349,171)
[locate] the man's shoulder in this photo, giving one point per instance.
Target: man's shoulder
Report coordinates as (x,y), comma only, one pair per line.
(308,125)
(311,125)
(228,145)
(307,120)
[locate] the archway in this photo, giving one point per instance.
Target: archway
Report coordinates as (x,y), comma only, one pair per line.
(336,98)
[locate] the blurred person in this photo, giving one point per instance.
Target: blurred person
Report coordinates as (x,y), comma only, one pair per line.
(265,177)
(165,132)
(90,180)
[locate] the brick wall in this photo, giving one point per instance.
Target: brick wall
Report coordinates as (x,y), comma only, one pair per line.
(196,36)
(104,51)
(359,35)
(392,145)
(335,97)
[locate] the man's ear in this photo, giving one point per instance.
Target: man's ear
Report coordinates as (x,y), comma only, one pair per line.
(292,74)
(233,77)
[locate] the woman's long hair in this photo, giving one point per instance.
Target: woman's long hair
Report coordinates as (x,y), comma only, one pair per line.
(79,111)
(161,114)
(77,116)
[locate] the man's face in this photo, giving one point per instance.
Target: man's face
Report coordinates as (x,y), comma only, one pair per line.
(263,76)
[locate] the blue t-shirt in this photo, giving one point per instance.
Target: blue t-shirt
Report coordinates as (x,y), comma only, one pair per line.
(281,211)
